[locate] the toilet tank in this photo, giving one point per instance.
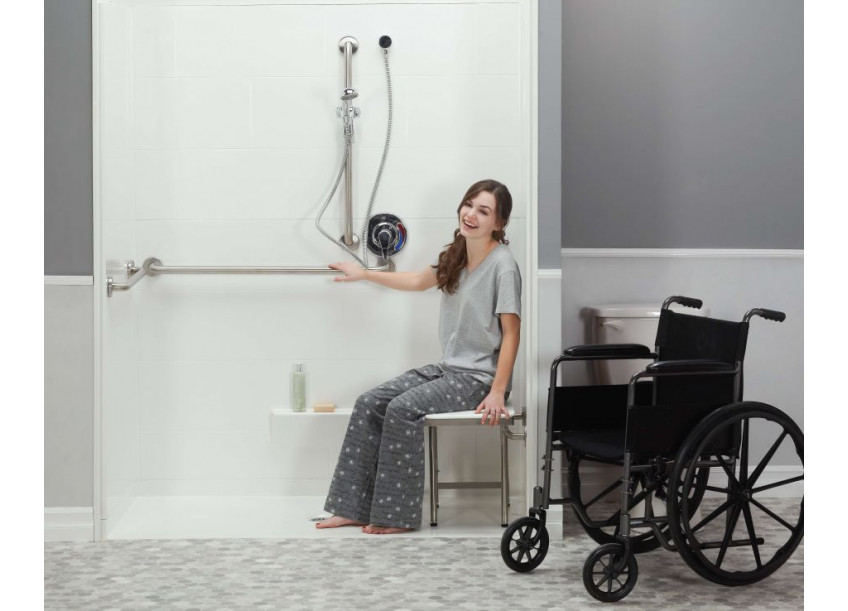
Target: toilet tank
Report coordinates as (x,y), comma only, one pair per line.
(628,323)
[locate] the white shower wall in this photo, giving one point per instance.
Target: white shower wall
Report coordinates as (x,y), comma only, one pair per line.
(218,142)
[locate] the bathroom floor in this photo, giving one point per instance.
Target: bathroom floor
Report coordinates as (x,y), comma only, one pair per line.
(457,567)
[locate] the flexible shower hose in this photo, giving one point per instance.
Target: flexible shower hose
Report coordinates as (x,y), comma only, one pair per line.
(347,139)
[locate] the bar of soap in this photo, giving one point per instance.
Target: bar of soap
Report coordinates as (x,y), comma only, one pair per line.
(324,407)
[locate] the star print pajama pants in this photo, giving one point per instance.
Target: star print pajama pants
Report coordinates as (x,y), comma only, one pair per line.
(379,478)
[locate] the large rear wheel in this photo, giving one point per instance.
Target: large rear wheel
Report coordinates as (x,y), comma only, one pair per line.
(752,517)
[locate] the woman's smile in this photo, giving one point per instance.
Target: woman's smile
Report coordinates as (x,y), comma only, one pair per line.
(478,215)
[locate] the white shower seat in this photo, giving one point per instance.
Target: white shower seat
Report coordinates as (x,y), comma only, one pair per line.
(469,418)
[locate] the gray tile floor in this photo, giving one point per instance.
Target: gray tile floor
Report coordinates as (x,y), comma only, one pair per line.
(376,573)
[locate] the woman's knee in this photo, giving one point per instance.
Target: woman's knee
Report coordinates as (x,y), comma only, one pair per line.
(403,408)
(364,402)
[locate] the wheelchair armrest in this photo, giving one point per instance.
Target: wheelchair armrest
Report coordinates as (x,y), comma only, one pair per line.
(609,351)
(689,366)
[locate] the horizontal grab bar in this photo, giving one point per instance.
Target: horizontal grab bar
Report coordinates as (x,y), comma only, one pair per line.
(153,266)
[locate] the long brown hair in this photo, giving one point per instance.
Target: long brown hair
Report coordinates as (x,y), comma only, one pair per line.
(454,258)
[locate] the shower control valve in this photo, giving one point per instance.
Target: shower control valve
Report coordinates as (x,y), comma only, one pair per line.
(386,235)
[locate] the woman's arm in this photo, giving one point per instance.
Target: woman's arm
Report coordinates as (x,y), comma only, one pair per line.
(493,405)
(401,281)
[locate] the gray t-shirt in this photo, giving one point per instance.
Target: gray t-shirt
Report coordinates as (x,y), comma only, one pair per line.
(469,328)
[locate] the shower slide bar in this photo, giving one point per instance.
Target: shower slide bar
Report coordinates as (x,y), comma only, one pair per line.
(348,45)
(153,266)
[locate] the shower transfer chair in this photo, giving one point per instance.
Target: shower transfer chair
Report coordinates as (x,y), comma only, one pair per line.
(466,418)
(728,474)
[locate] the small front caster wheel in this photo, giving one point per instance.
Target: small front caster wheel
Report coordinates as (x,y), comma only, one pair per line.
(604,576)
(524,544)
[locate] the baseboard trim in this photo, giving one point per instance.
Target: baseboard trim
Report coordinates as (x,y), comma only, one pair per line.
(555,514)
(68,524)
(696,253)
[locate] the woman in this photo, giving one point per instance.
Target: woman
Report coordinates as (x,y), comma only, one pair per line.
(379,480)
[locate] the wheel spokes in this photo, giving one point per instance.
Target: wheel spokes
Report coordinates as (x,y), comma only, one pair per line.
(773,515)
(782,482)
(728,535)
(527,533)
(730,474)
(752,535)
(760,467)
(713,515)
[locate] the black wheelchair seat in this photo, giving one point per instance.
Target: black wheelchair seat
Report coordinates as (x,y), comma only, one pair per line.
(600,443)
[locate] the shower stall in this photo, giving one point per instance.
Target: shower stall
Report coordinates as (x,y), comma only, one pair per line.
(217,142)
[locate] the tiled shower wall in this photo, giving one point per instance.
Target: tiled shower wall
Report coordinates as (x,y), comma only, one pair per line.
(219,142)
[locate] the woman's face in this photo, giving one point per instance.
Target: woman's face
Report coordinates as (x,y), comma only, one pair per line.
(478,217)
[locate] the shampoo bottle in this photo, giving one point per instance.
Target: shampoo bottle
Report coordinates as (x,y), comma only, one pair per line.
(297,387)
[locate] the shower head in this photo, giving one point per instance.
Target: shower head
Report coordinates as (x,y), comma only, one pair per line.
(349,94)
(385,42)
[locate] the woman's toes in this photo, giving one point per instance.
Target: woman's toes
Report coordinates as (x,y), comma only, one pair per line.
(336,521)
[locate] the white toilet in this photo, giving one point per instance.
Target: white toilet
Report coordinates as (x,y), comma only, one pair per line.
(628,323)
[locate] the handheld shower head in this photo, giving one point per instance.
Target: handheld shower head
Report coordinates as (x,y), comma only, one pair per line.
(349,94)
(385,42)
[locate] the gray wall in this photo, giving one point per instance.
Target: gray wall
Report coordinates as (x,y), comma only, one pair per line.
(682,124)
(550,133)
(67,138)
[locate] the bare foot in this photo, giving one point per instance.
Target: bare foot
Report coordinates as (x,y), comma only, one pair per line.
(374,529)
(336,521)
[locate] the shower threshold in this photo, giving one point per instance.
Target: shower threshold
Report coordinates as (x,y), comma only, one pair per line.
(270,517)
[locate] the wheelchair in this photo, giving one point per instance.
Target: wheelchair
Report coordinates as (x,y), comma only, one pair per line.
(690,466)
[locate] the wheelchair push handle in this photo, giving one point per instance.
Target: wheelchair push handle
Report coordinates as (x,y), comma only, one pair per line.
(767,314)
(687,302)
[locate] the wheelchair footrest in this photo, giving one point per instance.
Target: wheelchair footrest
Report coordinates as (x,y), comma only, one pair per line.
(734,543)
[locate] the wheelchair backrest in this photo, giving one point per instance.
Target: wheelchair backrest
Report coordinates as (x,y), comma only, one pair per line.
(682,336)
(685,337)
(679,402)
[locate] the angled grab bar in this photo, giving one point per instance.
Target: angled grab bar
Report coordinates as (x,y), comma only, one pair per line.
(153,266)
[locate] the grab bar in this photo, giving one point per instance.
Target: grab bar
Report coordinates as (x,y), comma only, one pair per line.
(348,46)
(153,266)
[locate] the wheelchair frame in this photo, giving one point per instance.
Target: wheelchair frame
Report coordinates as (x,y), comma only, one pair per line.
(616,556)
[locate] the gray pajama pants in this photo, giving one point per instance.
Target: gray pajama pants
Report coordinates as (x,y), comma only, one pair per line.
(379,478)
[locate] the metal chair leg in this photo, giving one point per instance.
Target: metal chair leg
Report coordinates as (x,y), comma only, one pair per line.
(434,476)
(504,479)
